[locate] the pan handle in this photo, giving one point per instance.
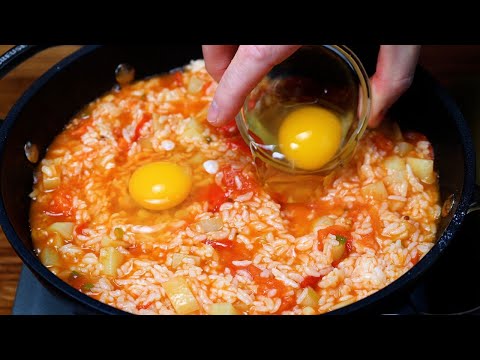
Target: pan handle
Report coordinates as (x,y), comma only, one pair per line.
(17,55)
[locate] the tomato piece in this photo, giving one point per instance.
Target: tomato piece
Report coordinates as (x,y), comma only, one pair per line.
(144,306)
(61,204)
(229,251)
(265,285)
(81,128)
(135,250)
(236,182)
(145,119)
(382,142)
(214,195)
(229,129)
(237,143)
(334,230)
(178,79)
(77,280)
(416,258)
(79,229)
(310,281)
(298,215)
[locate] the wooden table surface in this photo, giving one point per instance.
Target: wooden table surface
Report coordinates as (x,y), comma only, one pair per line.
(456,66)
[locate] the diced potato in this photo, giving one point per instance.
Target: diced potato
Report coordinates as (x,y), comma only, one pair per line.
(65,229)
(195,85)
(376,191)
(56,241)
(394,163)
(323,222)
(51,183)
(222,309)
(210,225)
(49,257)
(111,260)
(177,259)
(397,183)
(423,169)
(311,299)
(308,311)
(338,251)
(180,296)
(395,205)
(193,130)
(404,148)
(109,242)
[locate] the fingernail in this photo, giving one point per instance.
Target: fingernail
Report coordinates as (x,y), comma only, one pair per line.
(212,115)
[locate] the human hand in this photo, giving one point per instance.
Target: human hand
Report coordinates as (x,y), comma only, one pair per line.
(238,69)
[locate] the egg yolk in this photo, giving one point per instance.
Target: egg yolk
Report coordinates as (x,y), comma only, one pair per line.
(160,185)
(309,137)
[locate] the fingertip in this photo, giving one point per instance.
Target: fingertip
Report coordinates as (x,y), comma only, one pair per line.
(213,113)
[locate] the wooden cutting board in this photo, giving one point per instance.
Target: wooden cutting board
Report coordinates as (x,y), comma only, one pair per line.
(449,64)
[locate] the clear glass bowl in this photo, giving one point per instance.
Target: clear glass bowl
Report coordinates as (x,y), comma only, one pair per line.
(330,76)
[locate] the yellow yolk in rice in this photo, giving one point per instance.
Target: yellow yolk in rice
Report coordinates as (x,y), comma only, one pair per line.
(160,185)
(309,137)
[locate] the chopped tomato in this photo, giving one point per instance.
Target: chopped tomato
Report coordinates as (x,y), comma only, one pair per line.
(382,142)
(219,244)
(135,250)
(82,127)
(265,285)
(61,204)
(229,129)
(229,251)
(298,215)
(416,258)
(178,79)
(288,302)
(214,195)
(79,229)
(337,231)
(334,230)
(206,86)
(145,119)
(236,182)
(144,306)
(77,280)
(368,240)
(237,143)
(310,281)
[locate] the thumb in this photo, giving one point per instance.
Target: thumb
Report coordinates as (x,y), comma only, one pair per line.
(249,65)
(394,74)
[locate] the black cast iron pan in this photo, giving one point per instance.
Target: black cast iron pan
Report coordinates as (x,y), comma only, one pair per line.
(46,107)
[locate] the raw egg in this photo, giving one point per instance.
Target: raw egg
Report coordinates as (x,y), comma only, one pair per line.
(160,185)
(309,137)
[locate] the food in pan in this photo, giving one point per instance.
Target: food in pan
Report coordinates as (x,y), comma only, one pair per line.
(142,205)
